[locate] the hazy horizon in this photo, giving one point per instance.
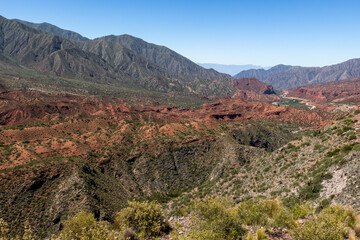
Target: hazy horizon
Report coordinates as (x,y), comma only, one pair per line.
(261,33)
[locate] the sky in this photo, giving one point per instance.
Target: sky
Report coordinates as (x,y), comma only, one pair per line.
(260,32)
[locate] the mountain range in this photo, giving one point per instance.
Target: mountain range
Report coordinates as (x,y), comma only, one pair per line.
(286,77)
(160,55)
(132,63)
(122,61)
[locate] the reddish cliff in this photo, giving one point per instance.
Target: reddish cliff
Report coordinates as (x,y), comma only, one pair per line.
(338,91)
(253,89)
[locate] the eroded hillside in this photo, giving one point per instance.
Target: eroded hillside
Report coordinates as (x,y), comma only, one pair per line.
(64,153)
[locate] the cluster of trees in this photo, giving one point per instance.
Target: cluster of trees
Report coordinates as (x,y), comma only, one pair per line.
(216,218)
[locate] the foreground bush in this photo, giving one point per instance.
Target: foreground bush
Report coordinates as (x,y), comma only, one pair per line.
(145,218)
(265,213)
(333,223)
(215,219)
(211,219)
(83,226)
(4,232)
(4,229)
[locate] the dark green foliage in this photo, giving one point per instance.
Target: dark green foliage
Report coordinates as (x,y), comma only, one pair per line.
(316,133)
(323,204)
(263,135)
(357,111)
(347,148)
(312,188)
(333,153)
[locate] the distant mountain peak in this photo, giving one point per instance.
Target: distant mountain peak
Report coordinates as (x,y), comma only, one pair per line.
(52,29)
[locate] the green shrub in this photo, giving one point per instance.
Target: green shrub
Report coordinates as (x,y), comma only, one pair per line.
(347,128)
(316,133)
(312,189)
(252,213)
(341,214)
(347,148)
(331,224)
(265,213)
(145,218)
(260,234)
(357,229)
(83,226)
(323,204)
(333,153)
(215,219)
(317,146)
(322,228)
(300,210)
(4,230)
(250,236)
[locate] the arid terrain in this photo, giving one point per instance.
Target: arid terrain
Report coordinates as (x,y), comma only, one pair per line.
(118,138)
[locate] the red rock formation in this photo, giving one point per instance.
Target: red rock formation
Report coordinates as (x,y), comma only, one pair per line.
(22,107)
(253,89)
(17,107)
(338,91)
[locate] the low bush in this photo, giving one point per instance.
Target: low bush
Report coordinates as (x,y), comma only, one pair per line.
(146,219)
(83,226)
(341,214)
(265,213)
(322,228)
(215,219)
(4,232)
(300,210)
(331,224)
(333,153)
(252,213)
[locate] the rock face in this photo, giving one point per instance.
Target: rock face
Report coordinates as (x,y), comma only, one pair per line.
(338,91)
(253,89)
(286,77)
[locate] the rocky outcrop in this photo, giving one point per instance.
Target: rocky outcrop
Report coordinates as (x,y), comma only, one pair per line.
(253,89)
(338,91)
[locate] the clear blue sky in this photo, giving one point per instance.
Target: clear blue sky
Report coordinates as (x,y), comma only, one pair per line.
(267,32)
